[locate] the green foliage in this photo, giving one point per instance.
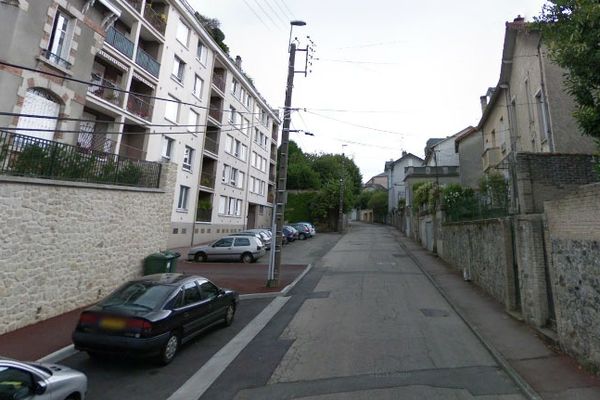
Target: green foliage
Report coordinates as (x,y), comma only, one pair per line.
(495,188)
(421,193)
(299,206)
(129,173)
(302,176)
(401,204)
(459,202)
(213,26)
(362,201)
(379,204)
(571,31)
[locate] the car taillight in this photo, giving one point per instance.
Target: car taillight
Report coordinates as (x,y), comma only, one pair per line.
(88,318)
(139,324)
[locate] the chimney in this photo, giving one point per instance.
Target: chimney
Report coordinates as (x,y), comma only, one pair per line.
(238,62)
(403,153)
(519,19)
(484,101)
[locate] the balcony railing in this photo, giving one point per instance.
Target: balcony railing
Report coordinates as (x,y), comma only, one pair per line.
(204,215)
(55,59)
(158,21)
(211,145)
(147,62)
(219,82)
(28,156)
(137,4)
(216,114)
(139,107)
(207,179)
(119,41)
(104,90)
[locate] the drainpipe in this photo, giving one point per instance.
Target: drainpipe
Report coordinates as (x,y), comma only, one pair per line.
(512,157)
(545,104)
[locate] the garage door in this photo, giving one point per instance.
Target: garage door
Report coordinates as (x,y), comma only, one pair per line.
(38,102)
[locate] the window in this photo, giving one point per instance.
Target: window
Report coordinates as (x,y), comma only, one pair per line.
(226,172)
(238,208)
(262,188)
(237,148)
(183,33)
(229,144)
(167,148)
(248,101)
(542,116)
(222,204)
(183,197)
(240,180)
(188,156)
(15,383)
(39,102)
(241,242)
(225,242)
(233,115)
(202,53)
(208,290)
(244,152)
(235,89)
(193,121)
(60,39)
(231,208)
(233,176)
(191,294)
(178,69)
(172,109)
(198,85)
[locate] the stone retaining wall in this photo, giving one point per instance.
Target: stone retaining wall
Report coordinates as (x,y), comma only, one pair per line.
(65,245)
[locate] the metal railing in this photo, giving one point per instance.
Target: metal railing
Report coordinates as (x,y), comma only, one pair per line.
(204,215)
(216,113)
(56,59)
(139,107)
(119,41)
(219,82)
(28,156)
(211,145)
(110,95)
(137,4)
(207,179)
(158,21)
(147,62)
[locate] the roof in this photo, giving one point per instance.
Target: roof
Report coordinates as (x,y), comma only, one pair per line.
(389,164)
(462,135)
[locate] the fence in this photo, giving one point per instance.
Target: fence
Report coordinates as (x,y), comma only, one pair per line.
(475,207)
(22,155)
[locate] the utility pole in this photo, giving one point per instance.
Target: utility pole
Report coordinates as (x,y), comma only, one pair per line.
(341,207)
(280,195)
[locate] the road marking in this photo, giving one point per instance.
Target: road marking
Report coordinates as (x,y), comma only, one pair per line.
(195,387)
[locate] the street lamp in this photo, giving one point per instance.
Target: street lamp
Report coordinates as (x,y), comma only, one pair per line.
(279,206)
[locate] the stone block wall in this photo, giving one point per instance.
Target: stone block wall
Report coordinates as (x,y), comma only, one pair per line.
(64,245)
(573,226)
(549,176)
(484,249)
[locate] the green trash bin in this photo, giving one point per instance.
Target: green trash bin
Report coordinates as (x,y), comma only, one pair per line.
(160,263)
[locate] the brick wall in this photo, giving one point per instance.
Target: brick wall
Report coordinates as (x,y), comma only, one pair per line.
(544,176)
(573,228)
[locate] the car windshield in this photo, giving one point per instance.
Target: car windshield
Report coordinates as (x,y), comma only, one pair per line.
(138,295)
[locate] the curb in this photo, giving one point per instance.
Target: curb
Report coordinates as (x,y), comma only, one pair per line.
(69,350)
(527,390)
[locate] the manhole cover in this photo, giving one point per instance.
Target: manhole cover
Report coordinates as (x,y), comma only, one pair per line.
(433,312)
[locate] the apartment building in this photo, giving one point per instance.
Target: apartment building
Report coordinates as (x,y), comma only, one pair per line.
(160,89)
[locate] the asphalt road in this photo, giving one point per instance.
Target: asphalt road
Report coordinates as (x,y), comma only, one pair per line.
(121,378)
(365,323)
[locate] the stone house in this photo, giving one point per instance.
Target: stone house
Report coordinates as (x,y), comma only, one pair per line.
(469,146)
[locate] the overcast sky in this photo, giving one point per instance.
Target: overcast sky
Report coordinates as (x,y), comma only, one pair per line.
(413,69)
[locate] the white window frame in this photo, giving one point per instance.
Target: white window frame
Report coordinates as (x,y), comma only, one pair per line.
(201,53)
(188,158)
(229,144)
(183,30)
(226,173)
(233,176)
(231,206)
(223,205)
(57,47)
(198,90)
(238,208)
(542,114)
(240,180)
(170,108)
(183,197)
(178,70)
(193,121)
(167,147)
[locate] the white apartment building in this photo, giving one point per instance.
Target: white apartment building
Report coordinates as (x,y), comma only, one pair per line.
(217,128)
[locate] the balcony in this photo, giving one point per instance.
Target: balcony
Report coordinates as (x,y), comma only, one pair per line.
(491,157)
(204,215)
(219,82)
(207,179)
(157,20)
(104,90)
(139,107)
(55,59)
(137,4)
(119,41)
(211,145)
(147,62)
(216,114)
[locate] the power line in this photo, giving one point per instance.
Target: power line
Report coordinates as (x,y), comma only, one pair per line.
(267,14)
(257,16)
(360,62)
(276,13)
(370,45)
(357,125)
(288,9)
(283,12)
(9,129)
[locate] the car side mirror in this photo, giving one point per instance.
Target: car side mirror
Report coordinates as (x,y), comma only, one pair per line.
(40,388)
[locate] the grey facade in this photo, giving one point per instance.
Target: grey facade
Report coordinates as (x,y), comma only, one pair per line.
(469,146)
(395,171)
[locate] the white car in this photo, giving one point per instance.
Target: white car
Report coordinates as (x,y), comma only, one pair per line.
(40,381)
(246,249)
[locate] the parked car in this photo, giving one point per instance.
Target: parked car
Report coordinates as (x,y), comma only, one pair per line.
(313,230)
(253,234)
(304,231)
(152,316)
(290,233)
(265,234)
(43,381)
(246,249)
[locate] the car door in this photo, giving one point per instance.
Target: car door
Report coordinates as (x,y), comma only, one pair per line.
(221,249)
(16,383)
(241,245)
(193,309)
(214,295)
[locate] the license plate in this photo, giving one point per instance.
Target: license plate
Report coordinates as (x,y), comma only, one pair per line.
(112,324)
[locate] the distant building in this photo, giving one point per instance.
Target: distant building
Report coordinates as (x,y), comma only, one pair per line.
(394,171)
(378,182)
(468,144)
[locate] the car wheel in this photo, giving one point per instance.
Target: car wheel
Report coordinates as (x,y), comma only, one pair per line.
(169,350)
(229,314)
(247,258)
(200,257)
(302,236)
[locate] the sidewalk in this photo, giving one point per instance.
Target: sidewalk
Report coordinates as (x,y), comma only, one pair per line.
(553,375)
(43,338)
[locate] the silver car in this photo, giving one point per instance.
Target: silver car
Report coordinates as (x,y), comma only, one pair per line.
(40,381)
(246,249)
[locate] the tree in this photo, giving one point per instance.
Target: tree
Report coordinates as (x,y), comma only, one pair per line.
(571,31)
(213,26)
(379,204)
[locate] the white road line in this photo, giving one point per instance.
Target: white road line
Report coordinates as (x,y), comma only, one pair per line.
(195,387)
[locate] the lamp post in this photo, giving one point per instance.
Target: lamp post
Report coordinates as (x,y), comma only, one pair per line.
(280,198)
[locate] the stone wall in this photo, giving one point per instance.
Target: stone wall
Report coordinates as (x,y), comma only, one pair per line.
(484,250)
(64,245)
(573,226)
(547,176)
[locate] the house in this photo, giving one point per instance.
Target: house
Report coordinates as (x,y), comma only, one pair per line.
(395,172)
(529,110)
(441,151)
(378,182)
(468,144)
